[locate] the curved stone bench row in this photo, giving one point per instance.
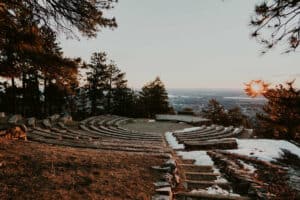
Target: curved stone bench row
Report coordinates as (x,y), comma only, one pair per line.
(98,132)
(116,133)
(214,132)
(92,146)
(223,134)
(201,129)
(63,132)
(48,137)
(104,133)
(207,132)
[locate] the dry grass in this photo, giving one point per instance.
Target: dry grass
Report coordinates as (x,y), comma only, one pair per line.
(156,127)
(30,170)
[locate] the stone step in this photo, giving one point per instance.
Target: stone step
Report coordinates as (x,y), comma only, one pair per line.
(196,168)
(161,197)
(207,196)
(212,144)
(205,184)
(201,176)
(188,161)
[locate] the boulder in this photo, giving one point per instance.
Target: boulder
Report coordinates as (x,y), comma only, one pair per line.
(14,119)
(160,197)
(161,184)
(61,125)
(162,169)
(2,114)
(24,128)
(54,117)
(170,163)
(15,133)
(31,122)
(46,123)
(165,191)
(66,119)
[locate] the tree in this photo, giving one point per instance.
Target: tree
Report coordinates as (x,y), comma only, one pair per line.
(219,115)
(237,118)
(276,21)
(154,98)
(97,78)
(116,81)
(86,16)
(282,111)
(215,112)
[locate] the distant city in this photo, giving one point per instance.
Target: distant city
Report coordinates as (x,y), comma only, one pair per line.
(197,99)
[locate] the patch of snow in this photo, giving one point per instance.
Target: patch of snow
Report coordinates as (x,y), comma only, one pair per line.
(200,157)
(196,128)
(173,141)
(248,167)
(215,190)
(151,120)
(265,149)
(220,179)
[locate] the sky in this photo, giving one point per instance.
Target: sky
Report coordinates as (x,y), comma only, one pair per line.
(189,44)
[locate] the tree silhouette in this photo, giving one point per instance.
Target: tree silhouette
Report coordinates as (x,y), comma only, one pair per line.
(215,112)
(282,111)
(219,115)
(86,16)
(97,78)
(154,98)
(276,21)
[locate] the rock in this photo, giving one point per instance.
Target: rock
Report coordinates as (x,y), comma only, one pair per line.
(61,125)
(177,179)
(168,177)
(46,123)
(165,191)
(14,119)
(170,163)
(163,169)
(160,184)
(160,197)
(54,117)
(24,128)
(15,133)
(2,114)
(31,122)
(66,119)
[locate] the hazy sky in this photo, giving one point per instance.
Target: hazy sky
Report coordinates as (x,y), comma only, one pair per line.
(189,44)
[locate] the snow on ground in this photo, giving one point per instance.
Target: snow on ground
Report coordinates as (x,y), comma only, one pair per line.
(248,167)
(265,149)
(216,190)
(196,128)
(200,157)
(151,120)
(173,141)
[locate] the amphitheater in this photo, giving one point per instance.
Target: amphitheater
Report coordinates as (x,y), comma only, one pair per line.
(196,164)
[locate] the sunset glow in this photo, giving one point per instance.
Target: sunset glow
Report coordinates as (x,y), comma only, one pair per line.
(256,88)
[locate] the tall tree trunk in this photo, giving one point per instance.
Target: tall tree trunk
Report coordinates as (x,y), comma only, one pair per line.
(45,97)
(13,86)
(23,93)
(36,98)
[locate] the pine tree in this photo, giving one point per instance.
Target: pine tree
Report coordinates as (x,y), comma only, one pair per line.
(215,112)
(282,111)
(97,78)
(154,99)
